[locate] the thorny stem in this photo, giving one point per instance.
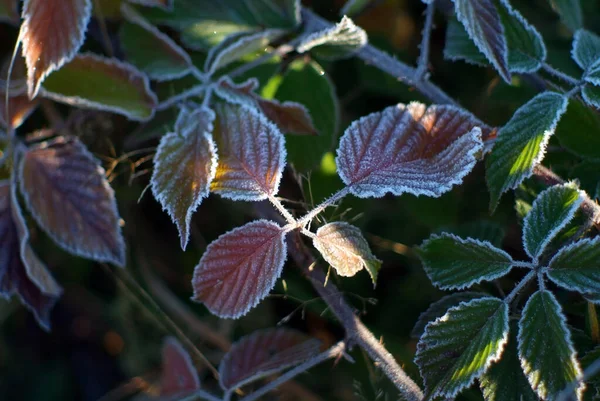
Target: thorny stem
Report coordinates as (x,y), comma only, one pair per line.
(424,56)
(527,265)
(193,91)
(284,212)
(559,74)
(307,218)
(526,280)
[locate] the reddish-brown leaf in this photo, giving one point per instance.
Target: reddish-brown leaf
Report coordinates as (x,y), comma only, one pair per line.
(70,198)
(21,271)
(415,149)
(251,154)
(290,117)
(263,353)
(178,373)
(240,268)
(19,108)
(52,32)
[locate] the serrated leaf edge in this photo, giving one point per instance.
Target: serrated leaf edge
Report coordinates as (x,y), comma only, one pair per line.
(327,36)
(585,241)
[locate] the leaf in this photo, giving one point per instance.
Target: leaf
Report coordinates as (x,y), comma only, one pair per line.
(103,84)
(150,50)
(203,35)
(343,246)
(178,373)
(9,11)
(482,22)
(504,380)
(340,41)
(66,192)
(576,267)
(459,45)
(239,268)
(586,53)
(21,271)
(353,7)
(570,13)
(263,353)
(551,211)
(482,230)
(439,309)
(521,143)
(306,152)
(578,131)
(290,117)
(526,49)
(52,32)
(591,95)
(455,263)
(166,4)
(251,155)
(185,163)
(545,349)
(460,346)
(20,107)
(416,149)
(237,45)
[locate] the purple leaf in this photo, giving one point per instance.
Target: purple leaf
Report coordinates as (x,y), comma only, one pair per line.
(68,195)
(263,353)
(484,26)
(251,155)
(21,271)
(178,373)
(239,268)
(184,166)
(416,149)
(52,32)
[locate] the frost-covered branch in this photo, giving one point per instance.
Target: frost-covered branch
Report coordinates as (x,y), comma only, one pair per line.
(424,56)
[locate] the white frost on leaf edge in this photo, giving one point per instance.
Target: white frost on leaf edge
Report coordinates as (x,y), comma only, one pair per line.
(344,33)
(582,243)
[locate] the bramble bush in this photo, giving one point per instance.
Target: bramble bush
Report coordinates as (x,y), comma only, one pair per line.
(172,102)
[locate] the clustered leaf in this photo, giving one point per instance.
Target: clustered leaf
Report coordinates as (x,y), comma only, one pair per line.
(577,266)
(586,53)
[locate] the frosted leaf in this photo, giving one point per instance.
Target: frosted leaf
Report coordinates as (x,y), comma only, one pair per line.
(236,46)
(343,246)
(22,273)
(290,117)
(591,95)
(339,41)
(178,376)
(52,32)
(66,191)
(263,353)
(459,45)
(251,155)
(483,24)
(455,263)
(551,211)
(185,163)
(570,13)
(545,349)
(460,346)
(521,143)
(152,51)
(240,268)
(439,309)
(586,53)
(416,149)
(577,266)
(20,107)
(505,380)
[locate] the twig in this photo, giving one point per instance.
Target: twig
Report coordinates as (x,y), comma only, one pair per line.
(424,56)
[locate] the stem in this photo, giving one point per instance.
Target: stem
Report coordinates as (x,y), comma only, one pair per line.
(530,276)
(284,212)
(200,394)
(559,74)
(332,352)
(307,218)
(540,277)
(527,265)
(193,91)
(207,96)
(424,56)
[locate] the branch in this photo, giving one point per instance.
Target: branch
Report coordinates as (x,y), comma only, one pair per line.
(424,56)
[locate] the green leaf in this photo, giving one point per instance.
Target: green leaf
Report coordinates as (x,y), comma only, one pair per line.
(550,213)
(353,7)
(150,50)
(586,53)
(455,263)
(570,13)
(576,267)
(102,83)
(578,131)
(591,95)
(505,381)
(205,34)
(526,49)
(459,45)
(545,348)
(343,246)
(339,41)
(460,346)
(521,143)
(439,309)
(306,152)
